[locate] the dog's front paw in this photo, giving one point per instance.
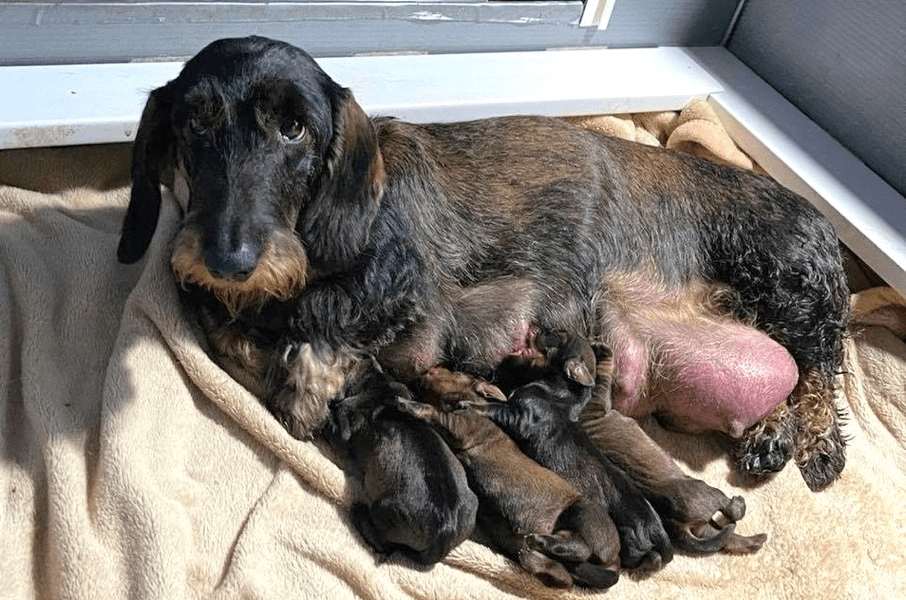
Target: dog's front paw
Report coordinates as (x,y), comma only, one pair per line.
(767,446)
(301,384)
(300,414)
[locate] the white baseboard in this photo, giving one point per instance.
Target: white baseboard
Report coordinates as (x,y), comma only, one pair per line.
(91,104)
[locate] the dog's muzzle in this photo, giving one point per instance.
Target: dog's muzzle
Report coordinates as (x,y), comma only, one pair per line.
(235,265)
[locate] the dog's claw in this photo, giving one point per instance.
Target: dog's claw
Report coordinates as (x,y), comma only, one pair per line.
(720,520)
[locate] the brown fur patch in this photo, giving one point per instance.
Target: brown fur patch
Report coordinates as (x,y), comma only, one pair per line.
(239,356)
(281,273)
(312,379)
(817,417)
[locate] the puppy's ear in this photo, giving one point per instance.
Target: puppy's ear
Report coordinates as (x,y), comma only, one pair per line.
(340,217)
(151,157)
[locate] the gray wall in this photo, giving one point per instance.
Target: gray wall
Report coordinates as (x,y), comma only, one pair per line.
(78,31)
(843,64)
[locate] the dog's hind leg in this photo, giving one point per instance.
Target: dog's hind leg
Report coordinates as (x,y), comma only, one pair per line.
(820,442)
(807,427)
(794,288)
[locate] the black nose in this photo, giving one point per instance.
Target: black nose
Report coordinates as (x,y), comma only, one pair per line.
(236,265)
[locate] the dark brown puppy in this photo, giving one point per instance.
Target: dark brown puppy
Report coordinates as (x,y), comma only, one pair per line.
(526,512)
(540,416)
(698,518)
(412,496)
(314,236)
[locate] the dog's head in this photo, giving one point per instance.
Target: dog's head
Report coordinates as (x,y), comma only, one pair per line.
(282,166)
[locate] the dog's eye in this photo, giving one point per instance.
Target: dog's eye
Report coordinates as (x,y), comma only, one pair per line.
(292,131)
(197,127)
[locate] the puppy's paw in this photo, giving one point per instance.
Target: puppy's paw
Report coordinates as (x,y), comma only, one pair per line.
(550,572)
(699,518)
(561,546)
(416,409)
(489,391)
(733,511)
(594,576)
(744,544)
(645,545)
(445,388)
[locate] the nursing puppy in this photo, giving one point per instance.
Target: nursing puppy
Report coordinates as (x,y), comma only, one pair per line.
(314,236)
(540,416)
(526,512)
(411,496)
(699,518)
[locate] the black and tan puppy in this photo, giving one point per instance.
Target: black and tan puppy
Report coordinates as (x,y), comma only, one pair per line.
(314,236)
(556,355)
(555,391)
(526,512)
(540,416)
(411,495)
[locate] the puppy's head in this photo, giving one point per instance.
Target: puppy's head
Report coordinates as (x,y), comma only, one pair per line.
(570,354)
(282,167)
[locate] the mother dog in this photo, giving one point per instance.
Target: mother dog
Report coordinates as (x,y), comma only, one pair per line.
(314,235)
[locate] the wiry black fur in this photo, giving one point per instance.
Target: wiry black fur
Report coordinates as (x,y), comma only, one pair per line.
(433,244)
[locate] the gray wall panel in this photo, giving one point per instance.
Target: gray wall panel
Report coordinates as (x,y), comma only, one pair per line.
(89,31)
(840,62)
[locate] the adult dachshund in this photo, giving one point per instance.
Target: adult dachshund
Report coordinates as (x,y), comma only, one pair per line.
(314,235)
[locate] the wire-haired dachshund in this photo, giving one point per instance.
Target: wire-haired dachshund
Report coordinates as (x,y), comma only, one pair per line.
(314,236)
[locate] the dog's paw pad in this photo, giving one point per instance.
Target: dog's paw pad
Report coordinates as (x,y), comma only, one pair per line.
(765,456)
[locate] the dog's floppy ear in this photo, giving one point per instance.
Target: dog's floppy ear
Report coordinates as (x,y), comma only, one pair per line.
(151,158)
(349,196)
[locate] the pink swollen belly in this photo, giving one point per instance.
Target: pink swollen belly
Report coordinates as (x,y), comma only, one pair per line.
(706,375)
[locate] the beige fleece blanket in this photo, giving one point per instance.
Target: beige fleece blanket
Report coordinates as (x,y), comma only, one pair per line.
(133,467)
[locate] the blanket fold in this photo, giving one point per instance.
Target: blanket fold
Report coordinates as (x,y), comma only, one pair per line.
(134,467)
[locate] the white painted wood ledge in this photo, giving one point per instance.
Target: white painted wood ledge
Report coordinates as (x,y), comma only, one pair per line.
(86,104)
(90,104)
